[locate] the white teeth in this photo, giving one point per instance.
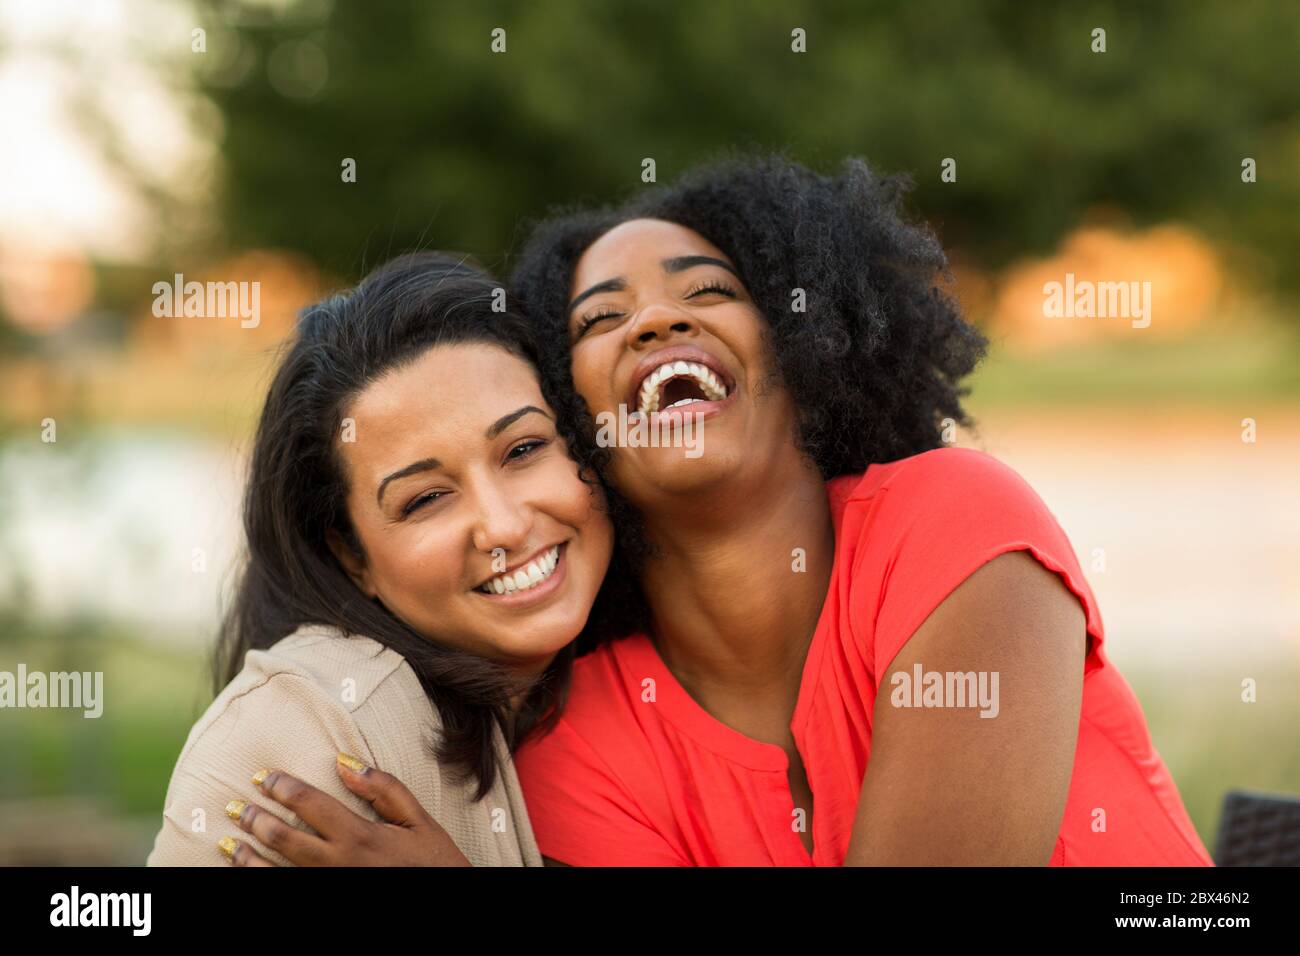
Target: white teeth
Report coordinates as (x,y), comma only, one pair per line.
(648,399)
(536,571)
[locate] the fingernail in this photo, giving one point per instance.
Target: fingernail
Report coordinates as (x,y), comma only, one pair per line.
(228,846)
(235,809)
(259,777)
(352,763)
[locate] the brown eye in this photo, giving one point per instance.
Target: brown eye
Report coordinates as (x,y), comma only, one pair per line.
(524,449)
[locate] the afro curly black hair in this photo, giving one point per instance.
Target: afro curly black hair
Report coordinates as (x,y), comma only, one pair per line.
(874,361)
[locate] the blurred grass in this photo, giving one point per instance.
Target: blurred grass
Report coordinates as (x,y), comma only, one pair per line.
(219,393)
(1211,741)
(152,695)
(1210,367)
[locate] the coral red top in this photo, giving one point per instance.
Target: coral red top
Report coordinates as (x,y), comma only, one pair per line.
(626,782)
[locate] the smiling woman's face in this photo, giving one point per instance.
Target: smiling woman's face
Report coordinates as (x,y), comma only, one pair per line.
(660,322)
(476,529)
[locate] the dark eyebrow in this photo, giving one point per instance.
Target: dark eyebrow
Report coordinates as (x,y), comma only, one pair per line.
(609,285)
(426,464)
(675,264)
(682,263)
(505,421)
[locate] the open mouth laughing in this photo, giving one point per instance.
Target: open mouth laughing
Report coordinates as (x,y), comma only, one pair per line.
(677,379)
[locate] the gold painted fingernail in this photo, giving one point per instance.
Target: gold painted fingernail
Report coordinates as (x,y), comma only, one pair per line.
(228,846)
(235,809)
(259,777)
(352,763)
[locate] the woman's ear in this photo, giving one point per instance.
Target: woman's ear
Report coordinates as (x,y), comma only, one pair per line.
(353,562)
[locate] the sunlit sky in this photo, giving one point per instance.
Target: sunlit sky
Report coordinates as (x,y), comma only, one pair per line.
(124,63)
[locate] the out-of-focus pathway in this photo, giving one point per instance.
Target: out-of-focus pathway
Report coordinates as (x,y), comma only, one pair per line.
(1200,530)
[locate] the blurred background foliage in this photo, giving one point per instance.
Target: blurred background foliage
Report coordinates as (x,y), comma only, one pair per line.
(139,149)
(1041,127)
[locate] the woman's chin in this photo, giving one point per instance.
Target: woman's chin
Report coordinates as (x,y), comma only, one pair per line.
(661,471)
(543,634)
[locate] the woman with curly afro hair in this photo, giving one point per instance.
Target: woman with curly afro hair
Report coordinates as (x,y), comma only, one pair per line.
(835,639)
(828,638)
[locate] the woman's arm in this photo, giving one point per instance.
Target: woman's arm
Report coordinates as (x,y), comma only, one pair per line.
(591,823)
(945,786)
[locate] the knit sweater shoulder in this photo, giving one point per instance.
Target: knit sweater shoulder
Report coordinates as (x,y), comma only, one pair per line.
(297,704)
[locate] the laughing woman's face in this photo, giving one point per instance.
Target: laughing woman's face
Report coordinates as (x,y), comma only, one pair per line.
(476,529)
(660,323)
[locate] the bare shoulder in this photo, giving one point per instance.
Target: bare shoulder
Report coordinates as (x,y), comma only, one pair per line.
(1016,584)
(975,726)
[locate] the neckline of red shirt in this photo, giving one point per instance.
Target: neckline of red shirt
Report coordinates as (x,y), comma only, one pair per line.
(641,659)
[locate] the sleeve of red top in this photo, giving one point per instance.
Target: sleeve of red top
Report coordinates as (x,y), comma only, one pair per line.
(942,516)
(580,812)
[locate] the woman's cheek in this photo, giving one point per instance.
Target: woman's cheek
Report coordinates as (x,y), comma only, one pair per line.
(424,567)
(559,491)
(591,519)
(586,367)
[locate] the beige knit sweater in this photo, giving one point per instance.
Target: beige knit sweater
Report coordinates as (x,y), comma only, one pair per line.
(293,707)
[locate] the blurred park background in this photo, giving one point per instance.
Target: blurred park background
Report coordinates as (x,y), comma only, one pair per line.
(137,148)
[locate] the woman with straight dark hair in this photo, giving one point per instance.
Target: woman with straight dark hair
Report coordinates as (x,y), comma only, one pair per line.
(422,553)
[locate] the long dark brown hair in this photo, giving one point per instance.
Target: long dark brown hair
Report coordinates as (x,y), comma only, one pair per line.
(297,490)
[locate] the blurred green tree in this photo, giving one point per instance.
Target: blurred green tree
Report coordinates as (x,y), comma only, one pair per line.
(457,145)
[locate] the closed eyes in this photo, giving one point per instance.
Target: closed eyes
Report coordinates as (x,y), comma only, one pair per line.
(711,285)
(590,320)
(704,287)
